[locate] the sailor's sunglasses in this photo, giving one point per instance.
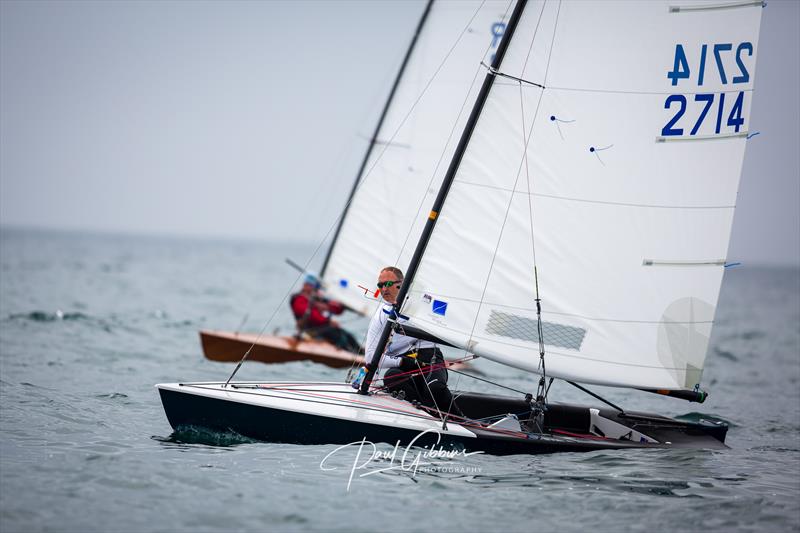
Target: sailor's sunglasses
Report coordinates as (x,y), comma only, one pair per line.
(387,284)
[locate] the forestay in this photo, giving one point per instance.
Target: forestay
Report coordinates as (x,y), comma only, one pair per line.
(635,116)
(378,228)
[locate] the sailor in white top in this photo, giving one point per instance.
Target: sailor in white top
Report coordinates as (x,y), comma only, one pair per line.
(399,344)
(415,368)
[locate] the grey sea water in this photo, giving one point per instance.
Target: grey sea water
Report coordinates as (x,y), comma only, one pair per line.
(89,323)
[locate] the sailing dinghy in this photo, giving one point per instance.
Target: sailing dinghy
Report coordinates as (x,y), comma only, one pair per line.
(401,157)
(579,234)
(227,346)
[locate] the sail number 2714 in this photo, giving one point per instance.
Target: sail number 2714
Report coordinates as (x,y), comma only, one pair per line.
(724,62)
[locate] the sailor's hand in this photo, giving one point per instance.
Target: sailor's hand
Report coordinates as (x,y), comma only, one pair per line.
(408,363)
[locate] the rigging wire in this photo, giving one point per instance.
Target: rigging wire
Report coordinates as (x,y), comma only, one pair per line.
(452,131)
(360,181)
(541,393)
(526,140)
(338,169)
(430,368)
(449,138)
(439,162)
(590,393)
(487,380)
(542,390)
(430,393)
(387,143)
(449,365)
(496,72)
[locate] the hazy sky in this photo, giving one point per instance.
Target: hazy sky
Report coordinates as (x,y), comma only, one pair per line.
(250,119)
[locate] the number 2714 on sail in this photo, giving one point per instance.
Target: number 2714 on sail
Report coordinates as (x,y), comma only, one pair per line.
(724,109)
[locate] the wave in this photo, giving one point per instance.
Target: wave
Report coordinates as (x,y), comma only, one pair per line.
(725,354)
(694,416)
(109,324)
(205,436)
(44,316)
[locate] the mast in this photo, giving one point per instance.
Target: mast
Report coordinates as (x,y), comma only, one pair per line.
(488,81)
(374,137)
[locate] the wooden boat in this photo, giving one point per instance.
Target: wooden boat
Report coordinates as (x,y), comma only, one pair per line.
(229,347)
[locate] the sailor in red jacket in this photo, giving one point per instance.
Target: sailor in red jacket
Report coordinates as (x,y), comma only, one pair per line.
(313,313)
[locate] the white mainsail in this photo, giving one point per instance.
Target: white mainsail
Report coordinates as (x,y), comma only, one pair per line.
(379,228)
(611,147)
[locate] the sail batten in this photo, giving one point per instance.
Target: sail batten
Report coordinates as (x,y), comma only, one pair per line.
(686,8)
(685,262)
(629,234)
(532,308)
(662,139)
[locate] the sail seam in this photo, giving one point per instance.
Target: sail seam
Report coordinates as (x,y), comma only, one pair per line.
(595,319)
(624,204)
(655,93)
(617,363)
(574,356)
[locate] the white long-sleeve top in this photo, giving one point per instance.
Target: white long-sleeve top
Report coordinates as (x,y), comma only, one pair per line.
(398,343)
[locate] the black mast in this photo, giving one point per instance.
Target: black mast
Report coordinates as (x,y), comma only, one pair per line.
(375,134)
(488,81)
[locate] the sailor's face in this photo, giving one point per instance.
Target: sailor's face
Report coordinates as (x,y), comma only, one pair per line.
(389,286)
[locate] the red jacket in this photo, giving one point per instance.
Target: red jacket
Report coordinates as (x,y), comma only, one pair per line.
(315,317)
